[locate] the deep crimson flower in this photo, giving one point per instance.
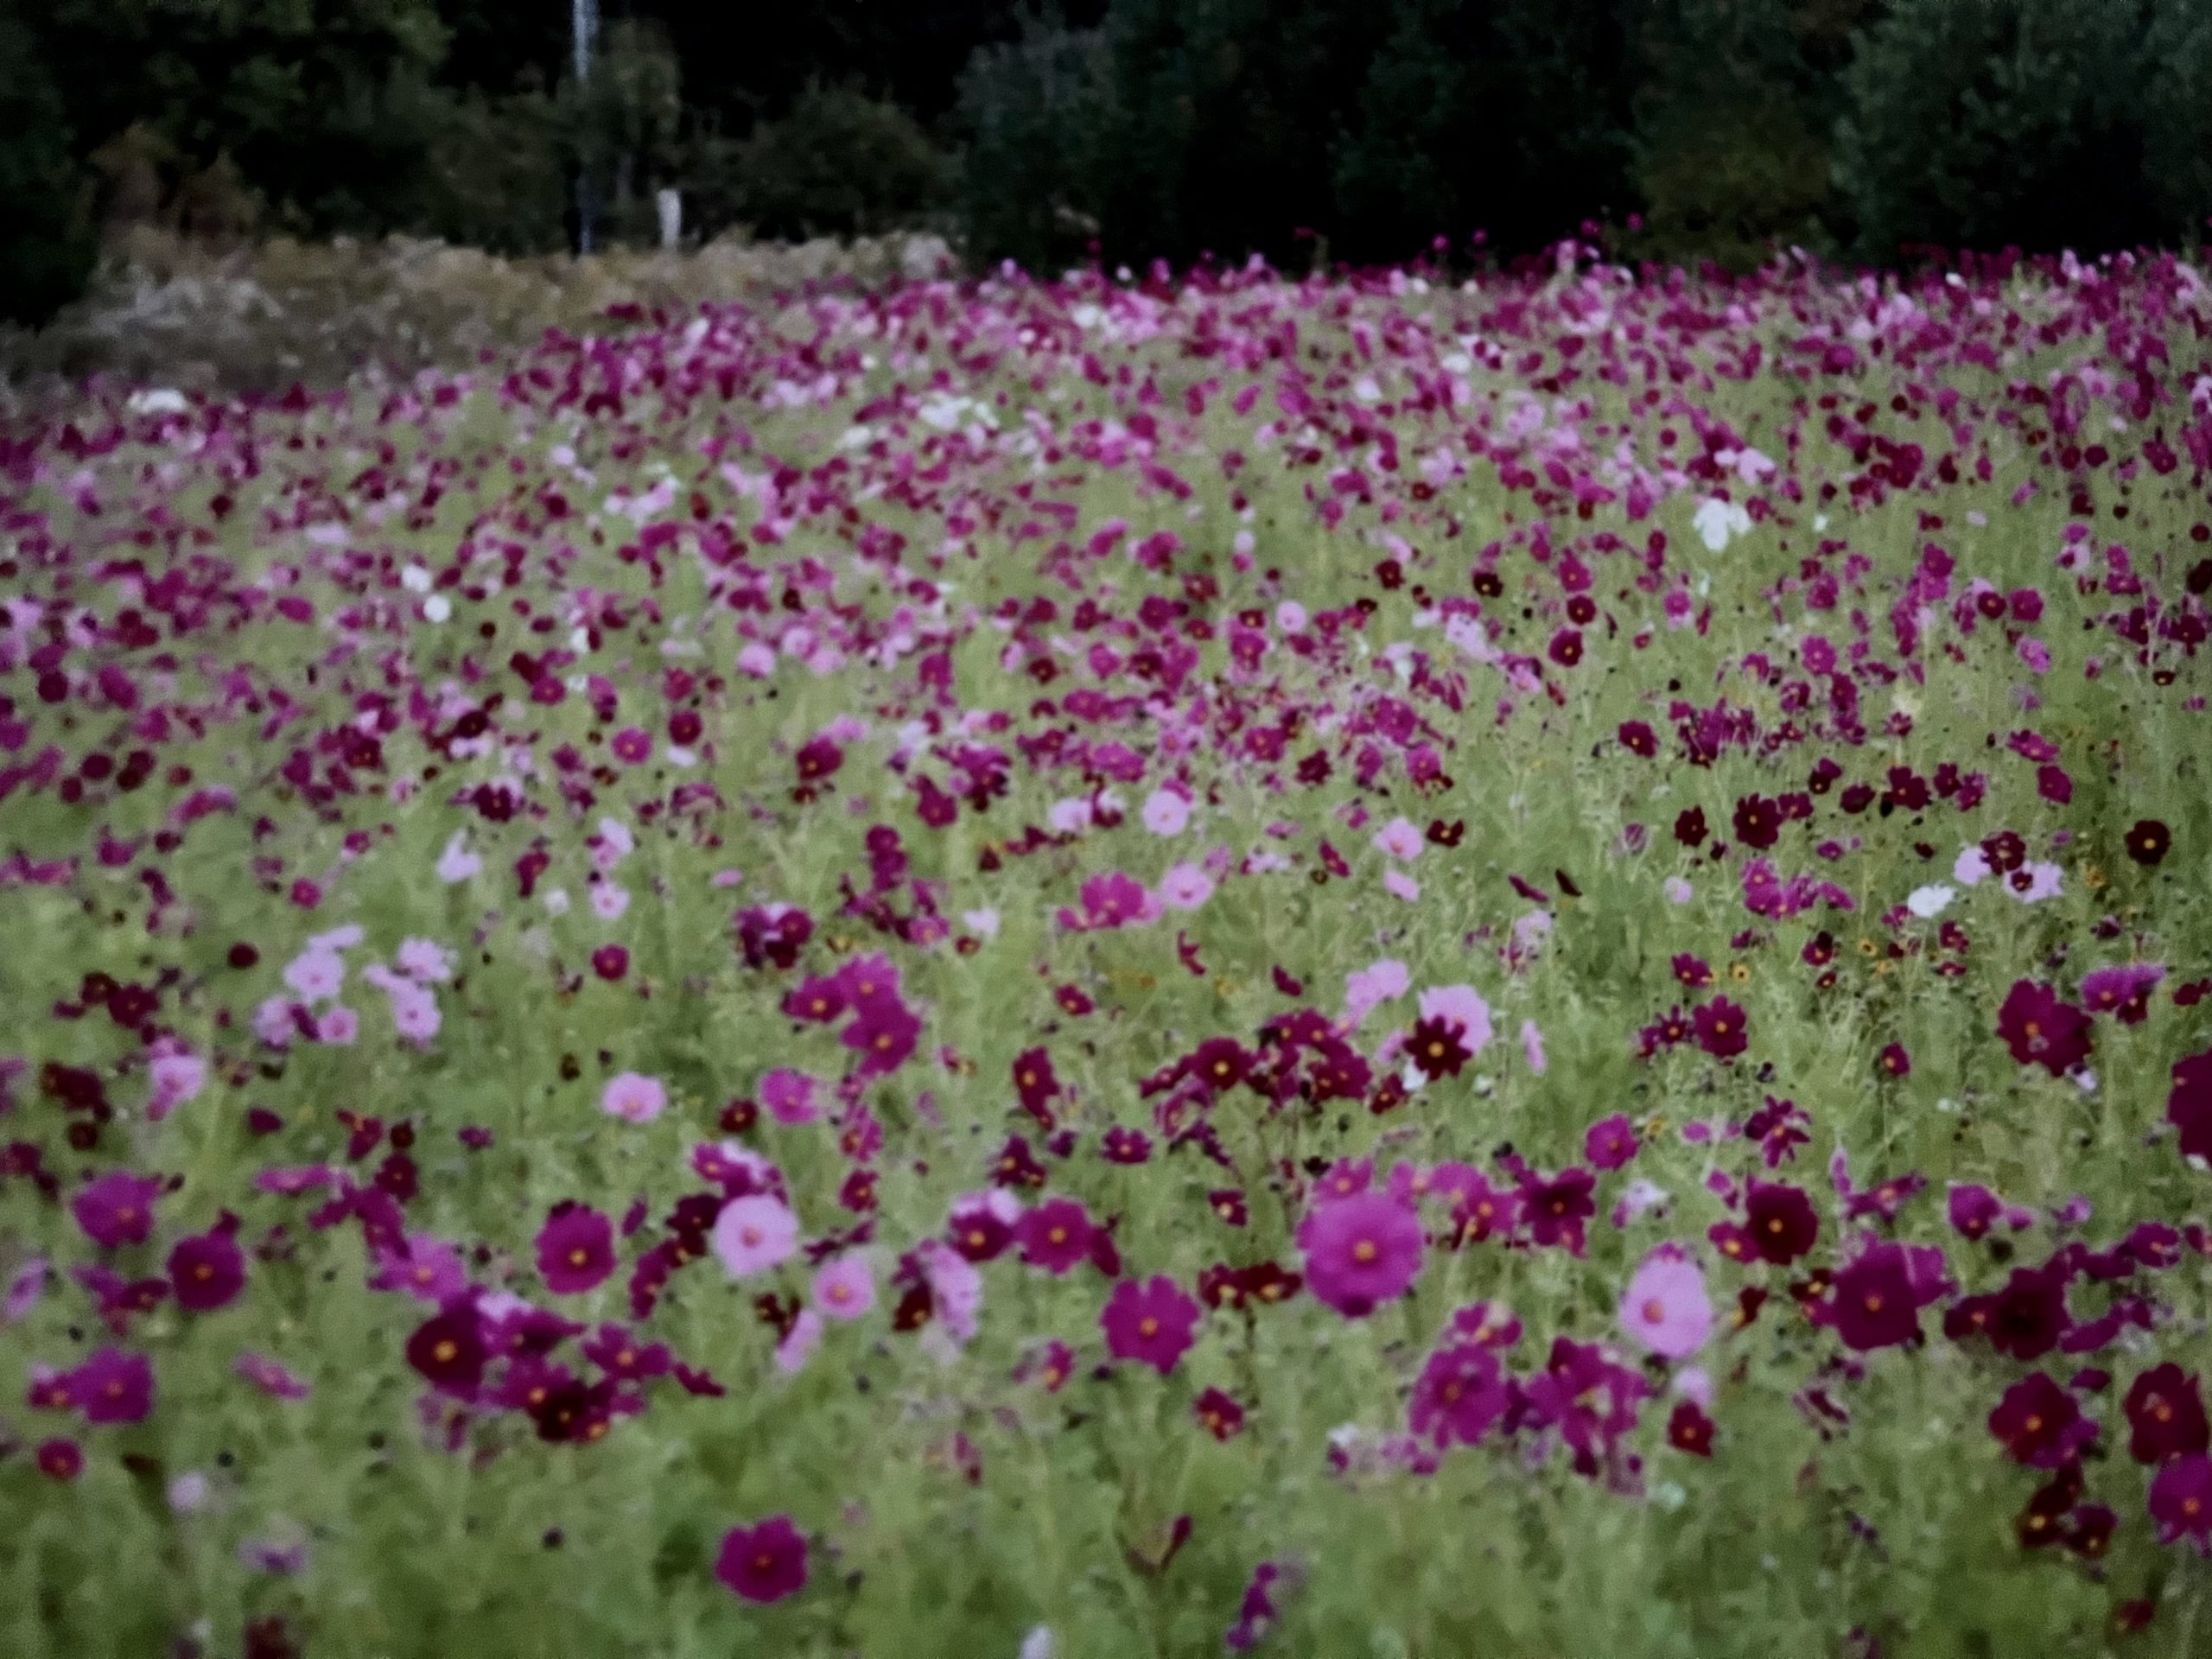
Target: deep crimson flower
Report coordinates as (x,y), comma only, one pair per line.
(2188,1107)
(1721,1028)
(2043,1029)
(1220,1062)
(1151,1323)
(2181,1502)
(2028,1316)
(208,1270)
(576,1250)
(1218,1413)
(763,1562)
(1689,1429)
(2039,1424)
(1436,1048)
(2149,842)
(1874,1306)
(1757,822)
(448,1349)
(60,1460)
(2165,1416)
(1557,1205)
(1780,1220)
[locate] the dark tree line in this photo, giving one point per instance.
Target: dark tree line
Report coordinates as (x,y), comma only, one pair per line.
(1126,130)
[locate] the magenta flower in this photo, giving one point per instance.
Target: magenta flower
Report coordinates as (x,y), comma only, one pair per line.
(448,1349)
(2165,1416)
(1611,1141)
(270,1376)
(208,1270)
(2040,1425)
(1874,1306)
(1056,1235)
(1460,1396)
(1361,1251)
(576,1250)
(1588,1399)
(60,1459)
(1665,1307)
(789,1096)
(1721,1028)
(117,1209)
(752,1234)
(2181,1502)
(113,1387)
(2188,1107)
(2041,1029)
(2123,991)
(763,1562)
(1152,1323)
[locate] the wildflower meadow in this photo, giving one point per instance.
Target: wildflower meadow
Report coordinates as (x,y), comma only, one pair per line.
(1387,964)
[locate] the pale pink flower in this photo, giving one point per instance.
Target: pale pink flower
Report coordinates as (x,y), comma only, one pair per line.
(1166,813)
(1379,983)
(1399,839)
(1185,887)
(843,1288)
(755,1233)
(634,1096)
(1665,1307)
(798,1342)
(1462,1005)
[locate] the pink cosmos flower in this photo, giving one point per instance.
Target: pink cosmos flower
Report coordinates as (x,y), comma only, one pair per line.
(315,976)
(1166,813)
(1399,839)
(1361,1251)
(752,1234)
(1532,1048)
(177,1075)
(1401,885)
(789,1096)
(1459,1004)
(1665,1306)
(633,1098)
(843,1288)
(1367,988)
(1184,887)
(799,1342)
(337,1026)
(424,961)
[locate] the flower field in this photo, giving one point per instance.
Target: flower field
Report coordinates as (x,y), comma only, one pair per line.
(1364,966)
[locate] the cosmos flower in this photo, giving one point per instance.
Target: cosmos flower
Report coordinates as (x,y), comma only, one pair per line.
(1151,1323)
(576,1250)
(1665,1307)
(753,1234)
(764,1562)
(843,1288)
(633,1098)
(1360,1251)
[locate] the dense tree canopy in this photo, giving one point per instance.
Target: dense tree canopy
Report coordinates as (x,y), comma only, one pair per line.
(1362,129)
